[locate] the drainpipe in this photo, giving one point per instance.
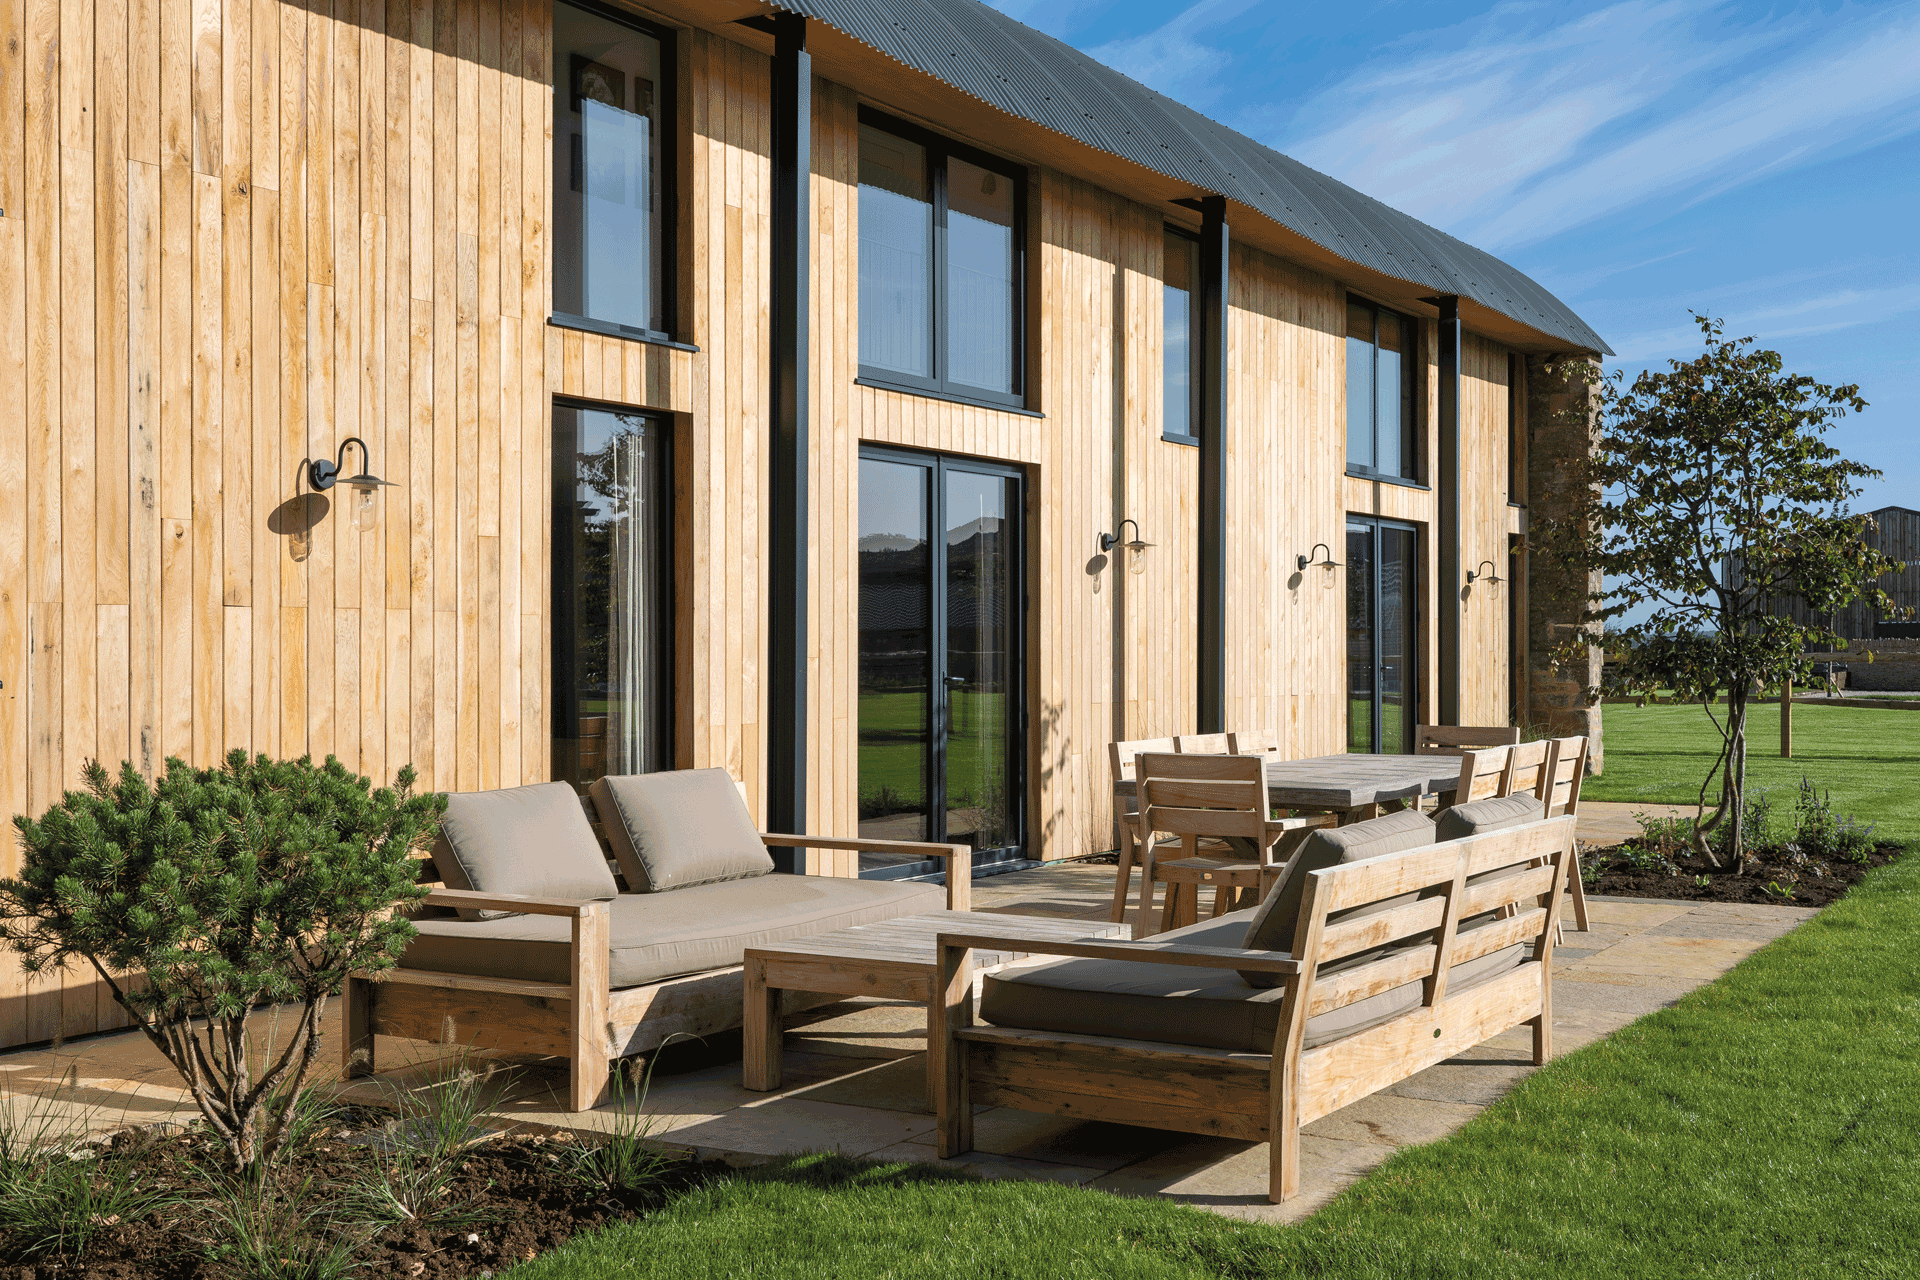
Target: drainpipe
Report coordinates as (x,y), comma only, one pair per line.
(1211,632)
(791,227)
(1447,530)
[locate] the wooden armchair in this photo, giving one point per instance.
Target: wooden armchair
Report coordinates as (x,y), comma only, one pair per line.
(1453,739)
(1122,762)
(1453,987)
(1559,793)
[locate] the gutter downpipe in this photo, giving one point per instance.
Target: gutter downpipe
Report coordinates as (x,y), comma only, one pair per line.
(1210,686)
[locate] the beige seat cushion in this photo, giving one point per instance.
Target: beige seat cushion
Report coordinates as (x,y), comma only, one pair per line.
(655,936)
(1177,1004)
(678,829)
(1272,925)
(526,840)
(1492,814)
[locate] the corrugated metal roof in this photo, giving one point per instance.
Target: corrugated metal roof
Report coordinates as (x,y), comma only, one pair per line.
(1035,77)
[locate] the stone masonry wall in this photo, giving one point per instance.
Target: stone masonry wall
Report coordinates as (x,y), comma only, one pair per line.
(1562,429)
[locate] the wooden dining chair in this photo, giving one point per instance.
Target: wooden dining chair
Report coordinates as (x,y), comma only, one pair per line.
(1559,795)
(1202,744)
(1254,742)
(1456,739)
(1482,774)
(1217,805)
(1122,759)
(1527,765)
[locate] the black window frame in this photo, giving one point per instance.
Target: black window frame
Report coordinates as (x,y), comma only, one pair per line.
(938,149)
(667,151)
(1413,448)
(1414,606)
(1194,345)
(561,622)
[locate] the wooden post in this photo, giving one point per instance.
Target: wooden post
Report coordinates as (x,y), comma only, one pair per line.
(588,1081)
(1786,719)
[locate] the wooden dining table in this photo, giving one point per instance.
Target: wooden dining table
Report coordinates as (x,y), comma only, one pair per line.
(1351,786)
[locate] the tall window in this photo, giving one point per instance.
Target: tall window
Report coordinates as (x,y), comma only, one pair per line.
(612,594)
(1180,415)
(940,266)
(1382,635)
(1382,368)
(609,220)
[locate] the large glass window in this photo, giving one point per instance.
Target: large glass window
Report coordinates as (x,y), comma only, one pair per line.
(1180,385)
(940,266)
(1382,635)
(1382,375)
(612,594)
(609,219)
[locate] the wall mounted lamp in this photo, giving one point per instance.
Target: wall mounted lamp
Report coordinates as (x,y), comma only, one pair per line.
(1491,575)
(1329,563)
(366,487)
(1108,541)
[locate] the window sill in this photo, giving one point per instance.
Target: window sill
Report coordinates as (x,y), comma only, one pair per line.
(948,396)
(605,328)
(1170,437)
(1382,478)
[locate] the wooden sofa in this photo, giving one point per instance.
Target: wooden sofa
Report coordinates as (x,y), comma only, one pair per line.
(1390,930)
(585,1018)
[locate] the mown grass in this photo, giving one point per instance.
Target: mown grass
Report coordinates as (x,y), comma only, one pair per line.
(1868,758)
(1766,1126)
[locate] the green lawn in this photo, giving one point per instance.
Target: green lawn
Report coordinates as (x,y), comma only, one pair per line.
(1869,759)
(1766,1126)
(893,742)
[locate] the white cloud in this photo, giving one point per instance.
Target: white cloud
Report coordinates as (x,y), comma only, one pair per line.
(1524,132)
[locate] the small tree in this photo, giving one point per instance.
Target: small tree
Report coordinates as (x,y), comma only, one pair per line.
(215,891)
(1716,498)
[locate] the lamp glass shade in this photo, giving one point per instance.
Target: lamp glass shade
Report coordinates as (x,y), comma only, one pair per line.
(365,514)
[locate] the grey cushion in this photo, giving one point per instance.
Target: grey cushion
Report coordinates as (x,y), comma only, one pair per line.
(657,936)
(1178,1004)
(1274,919)
(1464,820)
(679,829)
(531,840)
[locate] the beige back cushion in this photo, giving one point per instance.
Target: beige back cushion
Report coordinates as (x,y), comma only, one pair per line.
(1464,820)
(527,840)
(1273,923)
(672,830)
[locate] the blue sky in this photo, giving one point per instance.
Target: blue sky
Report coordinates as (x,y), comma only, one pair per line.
(1760,163)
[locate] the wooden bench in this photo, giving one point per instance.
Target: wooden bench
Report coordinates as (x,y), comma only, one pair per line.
(583,1020)
(1268,1096)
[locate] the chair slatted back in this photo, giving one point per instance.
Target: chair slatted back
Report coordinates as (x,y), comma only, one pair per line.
(1122,757)
(1560,789)
(1455,739)
(1527,765)
(1197,744)
(1212,797)
(1482,773)
(1418,899)
(1254,742)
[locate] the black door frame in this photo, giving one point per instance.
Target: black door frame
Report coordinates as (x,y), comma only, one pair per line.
(1013,856)
(1410,693)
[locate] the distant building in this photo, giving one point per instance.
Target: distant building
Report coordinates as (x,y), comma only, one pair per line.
(1896,532)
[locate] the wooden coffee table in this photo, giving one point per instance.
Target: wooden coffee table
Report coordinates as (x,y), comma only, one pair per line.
(894,959)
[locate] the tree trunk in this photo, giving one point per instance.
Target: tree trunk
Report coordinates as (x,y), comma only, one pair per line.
(1737,777)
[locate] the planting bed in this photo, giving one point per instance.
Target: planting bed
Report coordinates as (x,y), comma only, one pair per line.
(506,1200)
(1767,879)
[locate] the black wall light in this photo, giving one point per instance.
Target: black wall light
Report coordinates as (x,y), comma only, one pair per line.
(366,486)
(1491,575)
(1307,559)
(1108,541)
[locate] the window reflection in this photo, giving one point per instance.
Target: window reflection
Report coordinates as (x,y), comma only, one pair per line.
(896,254)
(980,290)
(607,212)
(1382,379)
(1178,413)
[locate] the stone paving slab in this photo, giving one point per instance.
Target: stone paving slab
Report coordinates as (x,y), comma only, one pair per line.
(854,1072)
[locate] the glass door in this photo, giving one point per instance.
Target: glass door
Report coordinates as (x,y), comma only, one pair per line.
(942,715)
(1382,635)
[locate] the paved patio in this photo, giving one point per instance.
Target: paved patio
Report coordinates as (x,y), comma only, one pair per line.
(855,1076)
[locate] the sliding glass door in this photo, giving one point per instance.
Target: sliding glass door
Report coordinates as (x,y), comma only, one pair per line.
(942,709)
(1382,635)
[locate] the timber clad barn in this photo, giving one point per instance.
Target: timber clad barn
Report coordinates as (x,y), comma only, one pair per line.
(1048,413)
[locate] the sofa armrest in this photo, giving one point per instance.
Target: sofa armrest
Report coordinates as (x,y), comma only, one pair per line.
(1144,952)
(959,887)
(472,901)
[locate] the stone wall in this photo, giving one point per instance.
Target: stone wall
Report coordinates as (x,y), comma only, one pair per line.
(1562,429)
